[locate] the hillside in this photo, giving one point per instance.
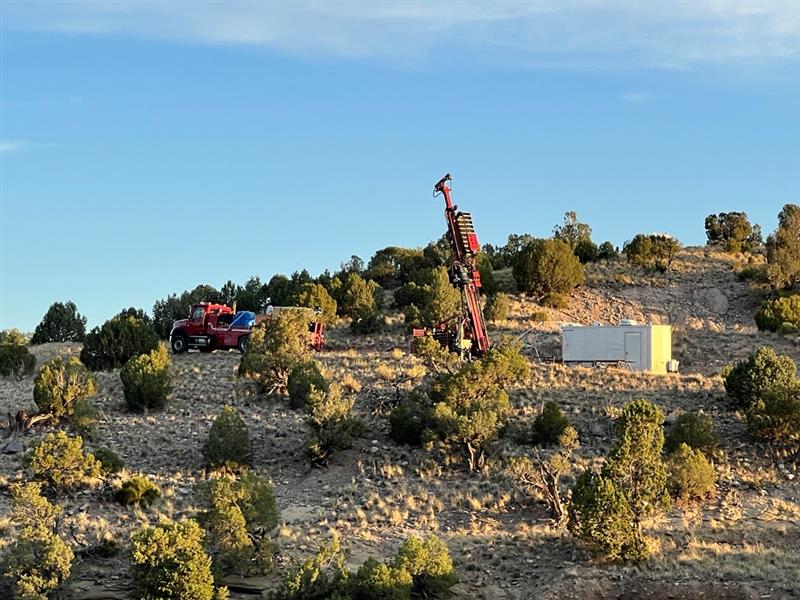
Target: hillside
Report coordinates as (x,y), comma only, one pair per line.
(743,543)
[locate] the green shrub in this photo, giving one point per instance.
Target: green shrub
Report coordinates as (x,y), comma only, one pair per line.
(504,256)
(367,322)
(239,514)
(258,502)
(547,266)
(776,416)
(634,462)
(422,568)
(379,581)
(281,290)
(471,406)
(226,530)
(732,231)
(323,575)
(783,249)
(607,510)
(691,475)
(60,461)
(38,560)
(16,361)
(695,430)
(62,384)
(146,381)
(333,426)
(412,317)
(747,380)
(138,490)
(61,323)
(135,313)
(486,271)
(471,425)
(586,251)
(116,342)
(606,251)
(462,410)
(228,442)
(497,307)
(13,337)
(656,251)
(110,462)
(358,296)
(394,264)
(429,564)
(83,418)
(436,356)
(779,313)
(305,377)
(256,296)
(550,424)
(314,295)
(276,347)
(410,293)
(409,419)
(600,516)
(170,563)
(442,300)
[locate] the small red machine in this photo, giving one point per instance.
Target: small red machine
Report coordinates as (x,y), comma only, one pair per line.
(219,327)
(466,332)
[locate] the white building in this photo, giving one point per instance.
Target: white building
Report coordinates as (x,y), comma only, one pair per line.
(641,347)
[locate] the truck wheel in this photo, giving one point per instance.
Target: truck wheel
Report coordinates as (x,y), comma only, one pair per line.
(243,341)
(179,344)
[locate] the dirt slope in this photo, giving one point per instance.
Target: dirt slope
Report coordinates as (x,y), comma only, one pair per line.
(743,544)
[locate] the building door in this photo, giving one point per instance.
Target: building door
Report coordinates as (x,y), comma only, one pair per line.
(633,349)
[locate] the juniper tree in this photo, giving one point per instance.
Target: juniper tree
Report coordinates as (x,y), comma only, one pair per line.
(61,323)
(783,249)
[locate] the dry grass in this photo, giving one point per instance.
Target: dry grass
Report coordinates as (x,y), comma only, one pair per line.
(379,492)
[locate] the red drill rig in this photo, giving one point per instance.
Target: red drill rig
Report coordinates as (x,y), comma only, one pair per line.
(466,332)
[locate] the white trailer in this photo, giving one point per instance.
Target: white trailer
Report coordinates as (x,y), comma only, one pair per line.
(640,347)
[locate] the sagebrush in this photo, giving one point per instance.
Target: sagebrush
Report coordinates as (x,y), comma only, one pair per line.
(61,385)
(146,381)
(61,461)
(228,442)
(170,563)
(38,560)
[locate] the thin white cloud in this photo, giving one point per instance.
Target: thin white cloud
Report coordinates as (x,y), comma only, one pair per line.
(11,145)
(636,97)
(675,34)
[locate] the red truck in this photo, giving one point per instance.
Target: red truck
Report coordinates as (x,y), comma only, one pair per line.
(212,327)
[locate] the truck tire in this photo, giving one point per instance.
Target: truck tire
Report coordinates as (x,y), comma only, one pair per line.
(243,341)
(179,343)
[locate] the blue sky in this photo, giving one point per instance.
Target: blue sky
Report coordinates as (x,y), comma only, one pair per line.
(146,147)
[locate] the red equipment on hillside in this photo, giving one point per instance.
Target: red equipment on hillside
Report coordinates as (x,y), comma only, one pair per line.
(212,327)
(466,332)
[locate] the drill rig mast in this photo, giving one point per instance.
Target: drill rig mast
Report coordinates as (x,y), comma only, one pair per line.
(469,333)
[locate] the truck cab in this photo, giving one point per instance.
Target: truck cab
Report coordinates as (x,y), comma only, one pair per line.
(212,327)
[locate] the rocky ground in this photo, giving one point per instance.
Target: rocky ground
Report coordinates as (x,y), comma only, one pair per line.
(744,543)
